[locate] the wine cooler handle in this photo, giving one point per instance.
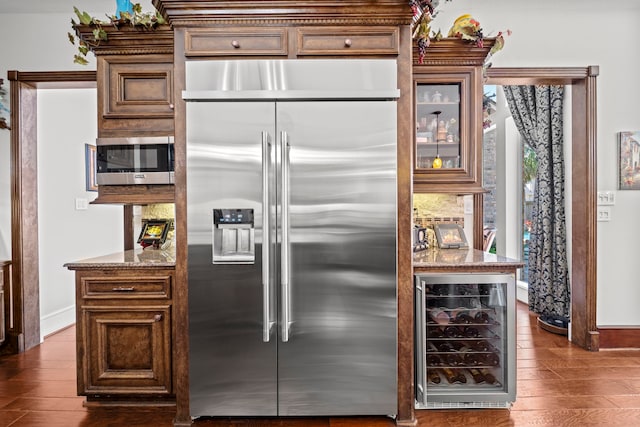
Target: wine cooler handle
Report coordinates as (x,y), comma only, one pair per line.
(285,272)
(421,341)
(267,323)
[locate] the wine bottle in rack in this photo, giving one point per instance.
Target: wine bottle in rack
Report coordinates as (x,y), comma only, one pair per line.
(482,317)
(471,332)
(491,359)
(454,376)
(433,360)
(439,316)
(452,332)
(460,346)
(435,332)
(444,347)
(482,345)
(433,376)
(489,378)
(453,359)
(472,359)
(477,376)
(463,318)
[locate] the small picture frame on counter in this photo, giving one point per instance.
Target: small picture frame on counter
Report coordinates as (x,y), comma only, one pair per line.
(419,237)
(450,236)
(154,232)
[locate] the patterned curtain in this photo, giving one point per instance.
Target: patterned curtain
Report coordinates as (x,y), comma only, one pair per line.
(537,112)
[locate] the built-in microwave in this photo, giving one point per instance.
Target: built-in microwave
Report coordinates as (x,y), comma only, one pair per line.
(144,160)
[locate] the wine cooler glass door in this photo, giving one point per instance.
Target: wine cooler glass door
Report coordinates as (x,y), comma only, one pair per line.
(466,340)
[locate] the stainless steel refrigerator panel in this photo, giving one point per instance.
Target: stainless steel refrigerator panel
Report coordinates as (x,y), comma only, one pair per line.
(232,370)
(340,293)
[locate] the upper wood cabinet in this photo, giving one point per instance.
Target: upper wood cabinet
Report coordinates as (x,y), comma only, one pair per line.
(134,79)
(135,95)
(448,92)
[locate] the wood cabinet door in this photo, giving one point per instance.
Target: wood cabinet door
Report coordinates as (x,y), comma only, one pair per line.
(135,95)
(125,350)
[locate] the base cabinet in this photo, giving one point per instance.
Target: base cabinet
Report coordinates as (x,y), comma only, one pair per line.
(124,333)
(127,350)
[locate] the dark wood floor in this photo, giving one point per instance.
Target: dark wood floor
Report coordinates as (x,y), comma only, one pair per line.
(558,385)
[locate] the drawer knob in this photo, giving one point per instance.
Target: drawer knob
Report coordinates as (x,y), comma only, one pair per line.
(347,43)
(235,43)
(157,317)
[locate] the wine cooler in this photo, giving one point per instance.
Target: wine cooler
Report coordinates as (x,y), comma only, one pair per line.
(465,340)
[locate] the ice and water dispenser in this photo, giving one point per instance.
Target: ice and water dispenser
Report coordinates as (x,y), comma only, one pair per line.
(233,236)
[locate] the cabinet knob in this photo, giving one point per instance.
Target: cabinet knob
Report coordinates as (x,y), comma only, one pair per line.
(347,43)
(157,318)
(171,106)
(235,43)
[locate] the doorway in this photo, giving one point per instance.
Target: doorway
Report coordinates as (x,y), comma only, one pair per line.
(581,82)
(28,255)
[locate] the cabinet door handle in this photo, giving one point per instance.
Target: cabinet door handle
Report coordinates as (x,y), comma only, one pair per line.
(347,43)
(123,289)
(157,318)
(235,43)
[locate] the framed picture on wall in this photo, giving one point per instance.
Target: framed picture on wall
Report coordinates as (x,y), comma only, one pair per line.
(91,183)
(629,160)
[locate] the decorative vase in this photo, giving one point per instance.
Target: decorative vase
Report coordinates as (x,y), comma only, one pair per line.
(123,6)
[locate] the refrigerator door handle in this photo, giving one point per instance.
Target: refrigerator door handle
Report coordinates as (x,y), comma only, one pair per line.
(286,290)
(267,323)
(421,340)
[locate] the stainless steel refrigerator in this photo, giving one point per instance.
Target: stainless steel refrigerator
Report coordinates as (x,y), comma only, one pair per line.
(291,206)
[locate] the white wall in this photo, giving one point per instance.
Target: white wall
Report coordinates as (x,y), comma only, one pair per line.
(67,119)
(550,33)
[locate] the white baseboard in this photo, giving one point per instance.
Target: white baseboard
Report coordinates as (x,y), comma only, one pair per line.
(57,320)
(522,292)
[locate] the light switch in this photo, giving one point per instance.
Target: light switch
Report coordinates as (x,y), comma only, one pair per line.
(81,204)
(606,198)
(604,213)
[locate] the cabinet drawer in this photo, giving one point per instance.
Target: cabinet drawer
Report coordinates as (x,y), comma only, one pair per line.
(351,41)
(227,42)
(123,287)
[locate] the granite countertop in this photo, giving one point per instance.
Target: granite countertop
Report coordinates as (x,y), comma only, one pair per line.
(461,258)
(134,258)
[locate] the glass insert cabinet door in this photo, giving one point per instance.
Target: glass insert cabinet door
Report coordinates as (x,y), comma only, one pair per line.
(437,126)
(448,128)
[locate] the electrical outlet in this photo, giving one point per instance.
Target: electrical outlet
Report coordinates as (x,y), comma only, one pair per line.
(606,198)
(604,213)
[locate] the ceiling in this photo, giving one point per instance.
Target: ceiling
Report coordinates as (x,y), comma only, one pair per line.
(97,7)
